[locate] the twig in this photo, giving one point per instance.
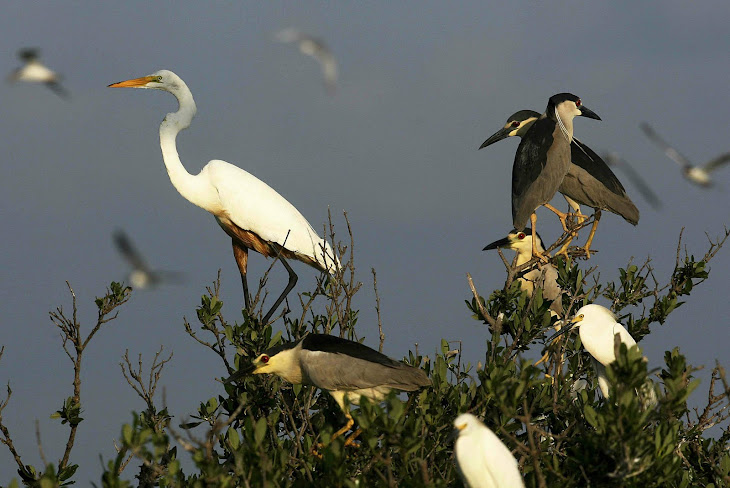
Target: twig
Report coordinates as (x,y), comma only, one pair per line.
(377,310)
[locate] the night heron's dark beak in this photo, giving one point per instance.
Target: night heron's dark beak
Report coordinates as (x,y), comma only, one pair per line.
(567,328)
(243,371)
(586,112)
(496,137)
(500,243)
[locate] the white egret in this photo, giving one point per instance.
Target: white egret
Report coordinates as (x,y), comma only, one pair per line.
(598,327)
(253,214)
(33,71)
(699,175)
(141,276)
(316,48)
(482,459)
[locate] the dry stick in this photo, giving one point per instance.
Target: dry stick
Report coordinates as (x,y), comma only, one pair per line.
(40,444)
(377,310)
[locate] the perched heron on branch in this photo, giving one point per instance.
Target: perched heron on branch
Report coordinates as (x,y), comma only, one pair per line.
(598,328)
(345,369)
(589,180)
(542,161)
(316,48)
(545,278)
(33,71)
(482,459)
(253,214)
(699,175)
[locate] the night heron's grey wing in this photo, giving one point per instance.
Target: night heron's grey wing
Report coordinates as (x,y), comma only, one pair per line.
(721,160)
(58,89)
(664,145)
(640,183)
(530,161)
(591,182)
(332,363)
(129,252)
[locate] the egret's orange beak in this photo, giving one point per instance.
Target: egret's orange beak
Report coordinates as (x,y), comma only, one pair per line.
(135,83)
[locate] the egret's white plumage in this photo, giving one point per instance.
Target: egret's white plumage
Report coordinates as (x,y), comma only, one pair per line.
(250,211)
(482,459)
(316,48)
(33,71)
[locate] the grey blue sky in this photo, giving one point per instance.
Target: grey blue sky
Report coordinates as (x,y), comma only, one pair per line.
(422,85)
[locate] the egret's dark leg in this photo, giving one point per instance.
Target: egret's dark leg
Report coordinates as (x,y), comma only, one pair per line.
(240,252)
(289,286)
(587,247)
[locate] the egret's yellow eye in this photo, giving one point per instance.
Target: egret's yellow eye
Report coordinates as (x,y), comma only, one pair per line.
(581,316)
(159,79)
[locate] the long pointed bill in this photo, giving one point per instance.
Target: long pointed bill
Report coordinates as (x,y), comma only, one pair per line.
(135,83)
(571,325)
(500,243)
(244,370)
(586,112)
(496,137)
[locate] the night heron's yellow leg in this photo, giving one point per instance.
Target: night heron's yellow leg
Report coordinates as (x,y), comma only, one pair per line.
(561,215)
(348,426)
(350,441)
(587,247)
(540,255)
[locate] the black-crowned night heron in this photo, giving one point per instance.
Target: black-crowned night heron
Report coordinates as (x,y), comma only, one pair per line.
(33,71)
(589,180)
(141,275)
(545,278)
(345,369)
(543,159)
(316,48)
(598,327)
(482,459)
(699,175)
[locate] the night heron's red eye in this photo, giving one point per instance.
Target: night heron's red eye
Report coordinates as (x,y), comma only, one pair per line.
(578,103)
(264,359)
(515,124)
(521,235)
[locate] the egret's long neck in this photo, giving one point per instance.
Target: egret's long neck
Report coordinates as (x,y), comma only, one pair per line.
(192,187)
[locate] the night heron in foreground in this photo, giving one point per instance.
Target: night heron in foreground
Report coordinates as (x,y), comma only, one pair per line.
(543,159)
(141,275)
(33,71)
(699,175)
(316,48)
(544,278)
(482,459)
(589,180)
(345,369)
(598,327)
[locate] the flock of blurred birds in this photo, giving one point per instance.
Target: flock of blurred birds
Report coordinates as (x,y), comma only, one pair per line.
(549,159)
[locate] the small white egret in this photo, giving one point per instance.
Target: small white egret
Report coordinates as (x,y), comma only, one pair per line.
(482,459)
(598,327)
(141,276)
(699,175)
(316,48)
(33,71)
(253,214)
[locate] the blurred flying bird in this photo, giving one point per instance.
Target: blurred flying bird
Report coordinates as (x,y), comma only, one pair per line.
(613,159)
(699,175)
(482,459)
(543,159)
(589,180)
(141,275)
(249,211)
(316,48)
(33,71)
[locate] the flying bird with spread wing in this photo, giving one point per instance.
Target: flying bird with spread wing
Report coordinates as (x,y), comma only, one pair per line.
(33,71)
(316,48)
(142,276)
(699,175)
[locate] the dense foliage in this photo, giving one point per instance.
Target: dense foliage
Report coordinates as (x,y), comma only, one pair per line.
(265,432)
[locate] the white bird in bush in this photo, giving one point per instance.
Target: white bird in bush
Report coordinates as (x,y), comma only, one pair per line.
(483,461)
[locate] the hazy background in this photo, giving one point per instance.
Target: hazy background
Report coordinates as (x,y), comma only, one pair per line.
(422,85)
